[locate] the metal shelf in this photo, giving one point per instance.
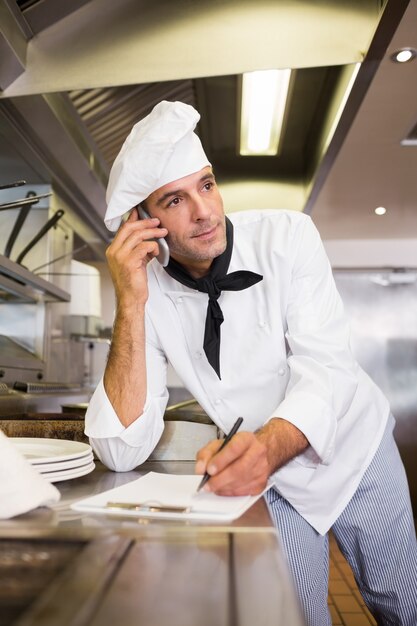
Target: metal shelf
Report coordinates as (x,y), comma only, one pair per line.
(18,284)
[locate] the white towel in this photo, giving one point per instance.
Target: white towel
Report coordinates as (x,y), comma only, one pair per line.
(22,488)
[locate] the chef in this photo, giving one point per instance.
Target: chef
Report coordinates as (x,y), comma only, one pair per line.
(247,314)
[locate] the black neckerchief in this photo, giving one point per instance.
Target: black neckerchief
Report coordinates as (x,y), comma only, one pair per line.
(216,280)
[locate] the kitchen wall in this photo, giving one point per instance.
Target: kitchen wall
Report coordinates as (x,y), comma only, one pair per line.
(381,302)
(382,308)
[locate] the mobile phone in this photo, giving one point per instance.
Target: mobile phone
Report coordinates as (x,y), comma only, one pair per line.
(163,255)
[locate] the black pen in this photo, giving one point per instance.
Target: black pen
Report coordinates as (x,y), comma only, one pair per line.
(228,437)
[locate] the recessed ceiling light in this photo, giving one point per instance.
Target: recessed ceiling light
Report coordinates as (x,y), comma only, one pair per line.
(404,55)
(380,210)
(264,97)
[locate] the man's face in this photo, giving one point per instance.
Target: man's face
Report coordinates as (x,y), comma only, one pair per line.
(191,209)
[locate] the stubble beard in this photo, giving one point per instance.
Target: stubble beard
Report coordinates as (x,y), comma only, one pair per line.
(197,252)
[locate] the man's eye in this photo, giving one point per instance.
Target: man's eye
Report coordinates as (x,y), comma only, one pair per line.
(208,186)
(174,202)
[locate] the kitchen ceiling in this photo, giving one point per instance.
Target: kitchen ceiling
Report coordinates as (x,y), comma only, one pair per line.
(90,70)
(373,166)
(109,114)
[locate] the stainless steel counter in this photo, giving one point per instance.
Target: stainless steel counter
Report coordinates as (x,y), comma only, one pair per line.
(109,570)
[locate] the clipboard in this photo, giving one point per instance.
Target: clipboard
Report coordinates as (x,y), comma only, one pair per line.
(166,496)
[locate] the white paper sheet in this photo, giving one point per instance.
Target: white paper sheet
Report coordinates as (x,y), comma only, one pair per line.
(168,490)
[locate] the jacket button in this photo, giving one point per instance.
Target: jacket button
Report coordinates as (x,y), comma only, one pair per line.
(179,300)
(198,354)
(218,401)
(281,371)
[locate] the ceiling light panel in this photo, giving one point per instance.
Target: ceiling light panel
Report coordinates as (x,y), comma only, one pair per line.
(264,97)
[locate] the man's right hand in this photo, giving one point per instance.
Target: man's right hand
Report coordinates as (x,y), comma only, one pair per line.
(128,255)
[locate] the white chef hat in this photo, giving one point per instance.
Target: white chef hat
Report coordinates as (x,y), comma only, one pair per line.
(161,148)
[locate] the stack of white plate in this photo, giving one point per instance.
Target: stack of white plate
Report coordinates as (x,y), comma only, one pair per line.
(56,459)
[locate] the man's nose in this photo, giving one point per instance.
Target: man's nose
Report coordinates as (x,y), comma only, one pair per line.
(200,208)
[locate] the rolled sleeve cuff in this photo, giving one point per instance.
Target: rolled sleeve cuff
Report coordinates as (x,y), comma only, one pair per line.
(102,421)
(312,416)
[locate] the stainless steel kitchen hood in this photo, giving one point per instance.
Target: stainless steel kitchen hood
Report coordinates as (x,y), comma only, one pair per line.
(18,284)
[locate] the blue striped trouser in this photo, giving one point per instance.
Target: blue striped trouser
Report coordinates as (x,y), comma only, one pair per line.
(375,533)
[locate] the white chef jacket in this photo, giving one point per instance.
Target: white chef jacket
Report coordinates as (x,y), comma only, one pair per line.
(284,353)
